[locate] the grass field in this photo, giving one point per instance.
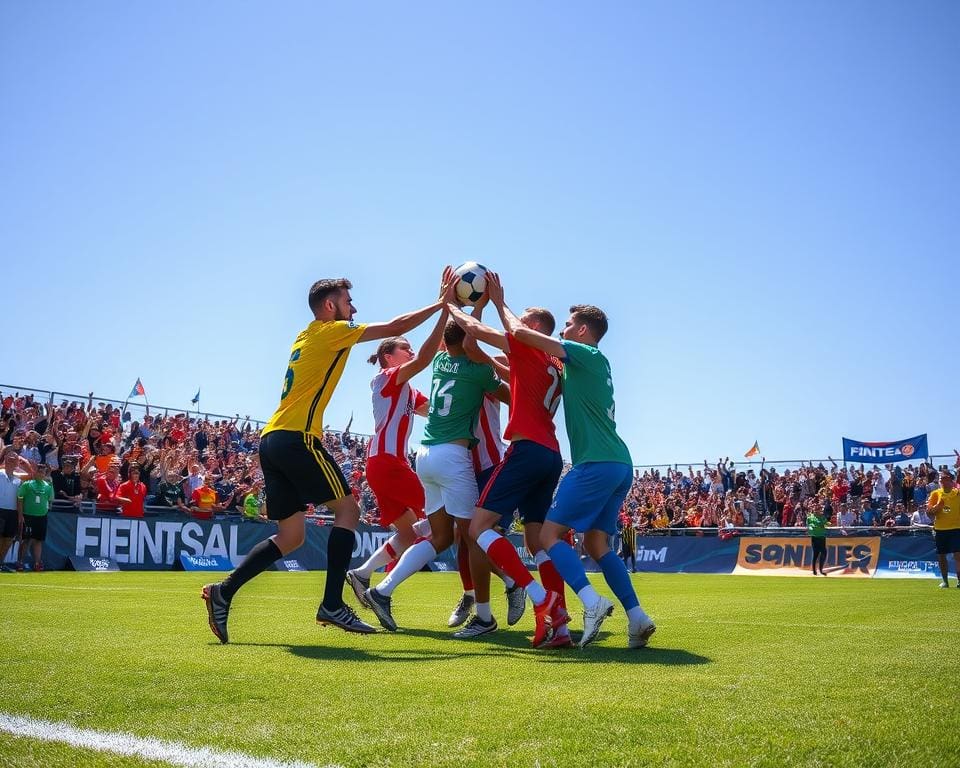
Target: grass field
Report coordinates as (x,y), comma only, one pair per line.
(743,671)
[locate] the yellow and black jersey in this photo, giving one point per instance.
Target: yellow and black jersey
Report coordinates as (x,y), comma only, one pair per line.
(317,360)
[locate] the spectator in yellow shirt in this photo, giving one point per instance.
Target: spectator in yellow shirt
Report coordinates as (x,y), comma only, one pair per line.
(944,508)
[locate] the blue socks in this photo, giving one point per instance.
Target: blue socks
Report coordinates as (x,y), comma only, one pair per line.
(567,563)
(615,574)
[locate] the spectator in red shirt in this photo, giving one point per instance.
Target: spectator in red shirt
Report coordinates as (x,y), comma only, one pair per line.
(108,486)
(131,494)
(203,501)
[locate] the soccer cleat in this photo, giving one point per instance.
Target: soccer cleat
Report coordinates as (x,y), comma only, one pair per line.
(516,604)
(345,618)
(593,618)
(559,641)
(639,637)
(944,585)
(218,609)
(19,567)
(462,611)
(543,615)
(476,627)
(38,567)
(380,605)
(359,585)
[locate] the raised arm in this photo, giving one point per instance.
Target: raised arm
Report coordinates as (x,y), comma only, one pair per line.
(477,330)
(426,352)
(512,324)
(407,322)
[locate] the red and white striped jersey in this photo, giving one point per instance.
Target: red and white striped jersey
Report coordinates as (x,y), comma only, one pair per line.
(393,409)
(488,452)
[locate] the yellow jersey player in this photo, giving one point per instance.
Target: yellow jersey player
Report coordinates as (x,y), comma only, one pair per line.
(297,470)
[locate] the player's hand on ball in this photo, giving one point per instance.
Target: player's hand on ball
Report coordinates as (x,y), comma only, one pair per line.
(448,284)
(494,288)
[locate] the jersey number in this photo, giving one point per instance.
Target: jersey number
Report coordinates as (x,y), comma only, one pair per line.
(552,400)
(287,383)
(444,394)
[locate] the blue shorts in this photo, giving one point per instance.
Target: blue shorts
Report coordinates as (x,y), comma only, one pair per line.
(524,481)
(590,496)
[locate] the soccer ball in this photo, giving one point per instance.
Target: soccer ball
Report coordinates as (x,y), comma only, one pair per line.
(473,282)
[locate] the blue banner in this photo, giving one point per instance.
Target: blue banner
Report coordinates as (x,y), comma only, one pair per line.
(908,557)
(686,554)
(911,449)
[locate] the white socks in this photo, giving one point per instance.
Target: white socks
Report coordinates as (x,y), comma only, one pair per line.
(412,561)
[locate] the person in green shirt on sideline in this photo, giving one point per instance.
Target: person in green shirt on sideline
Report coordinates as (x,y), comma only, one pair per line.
(251,502)
(33,503)
(817,526)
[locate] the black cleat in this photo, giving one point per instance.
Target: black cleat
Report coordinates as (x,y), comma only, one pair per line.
(218,609)
(345,618)
(380,605)
(475,628)
(461,611)
(359,585)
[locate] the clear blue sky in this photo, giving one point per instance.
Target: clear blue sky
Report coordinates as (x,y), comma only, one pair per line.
(764,197)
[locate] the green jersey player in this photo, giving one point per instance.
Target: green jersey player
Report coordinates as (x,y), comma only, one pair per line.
(444,465)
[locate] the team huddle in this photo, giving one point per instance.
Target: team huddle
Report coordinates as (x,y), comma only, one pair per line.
(466,488)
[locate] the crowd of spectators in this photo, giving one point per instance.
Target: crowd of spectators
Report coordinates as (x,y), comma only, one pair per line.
(201,467)
(722,497)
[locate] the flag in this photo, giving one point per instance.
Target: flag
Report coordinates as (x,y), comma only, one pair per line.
(138,390)
(196,397)
(753,451)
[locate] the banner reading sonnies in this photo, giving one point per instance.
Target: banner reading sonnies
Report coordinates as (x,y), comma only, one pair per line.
(782,556)
(911,449)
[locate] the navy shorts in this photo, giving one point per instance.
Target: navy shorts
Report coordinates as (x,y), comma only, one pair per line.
(947,542)
(524,481)
(483,477)
(590,496)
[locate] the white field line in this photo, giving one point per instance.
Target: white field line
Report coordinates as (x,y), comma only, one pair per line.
(133,746)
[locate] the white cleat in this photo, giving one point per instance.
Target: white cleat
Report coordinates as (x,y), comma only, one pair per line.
(593,618)
(639,636)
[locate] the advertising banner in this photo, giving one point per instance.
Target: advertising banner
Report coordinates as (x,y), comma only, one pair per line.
(793,556)
(157,542)
(685,554)
(911,449)
(908,557)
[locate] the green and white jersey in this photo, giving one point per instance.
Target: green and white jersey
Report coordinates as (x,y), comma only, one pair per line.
(588,406)
(456,395)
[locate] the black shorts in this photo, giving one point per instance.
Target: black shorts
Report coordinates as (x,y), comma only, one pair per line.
(9,524)
(298,471)
(525,480)
(35,527)
(947,542)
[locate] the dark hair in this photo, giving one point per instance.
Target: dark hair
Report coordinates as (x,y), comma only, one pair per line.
(544,317)
(321,290)
(453,334)
(592,317)
(386,347)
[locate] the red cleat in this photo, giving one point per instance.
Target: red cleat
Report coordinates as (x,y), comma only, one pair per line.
(559,641)
(544,614)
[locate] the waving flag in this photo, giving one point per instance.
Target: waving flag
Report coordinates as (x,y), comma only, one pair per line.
(196,397)
(755,451)
(138,390)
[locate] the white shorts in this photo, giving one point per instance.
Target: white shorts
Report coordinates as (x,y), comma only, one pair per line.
(449,481)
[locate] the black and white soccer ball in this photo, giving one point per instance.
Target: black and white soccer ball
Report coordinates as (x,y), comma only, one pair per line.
(472,283)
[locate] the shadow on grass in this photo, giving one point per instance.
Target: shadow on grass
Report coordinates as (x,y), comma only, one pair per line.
(503,643)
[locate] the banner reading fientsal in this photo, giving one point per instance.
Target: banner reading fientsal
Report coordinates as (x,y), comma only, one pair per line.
(911,449)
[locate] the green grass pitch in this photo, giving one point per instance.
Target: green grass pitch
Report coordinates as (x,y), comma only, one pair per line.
(743,671)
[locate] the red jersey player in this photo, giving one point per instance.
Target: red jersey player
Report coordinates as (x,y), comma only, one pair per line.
(527,477)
